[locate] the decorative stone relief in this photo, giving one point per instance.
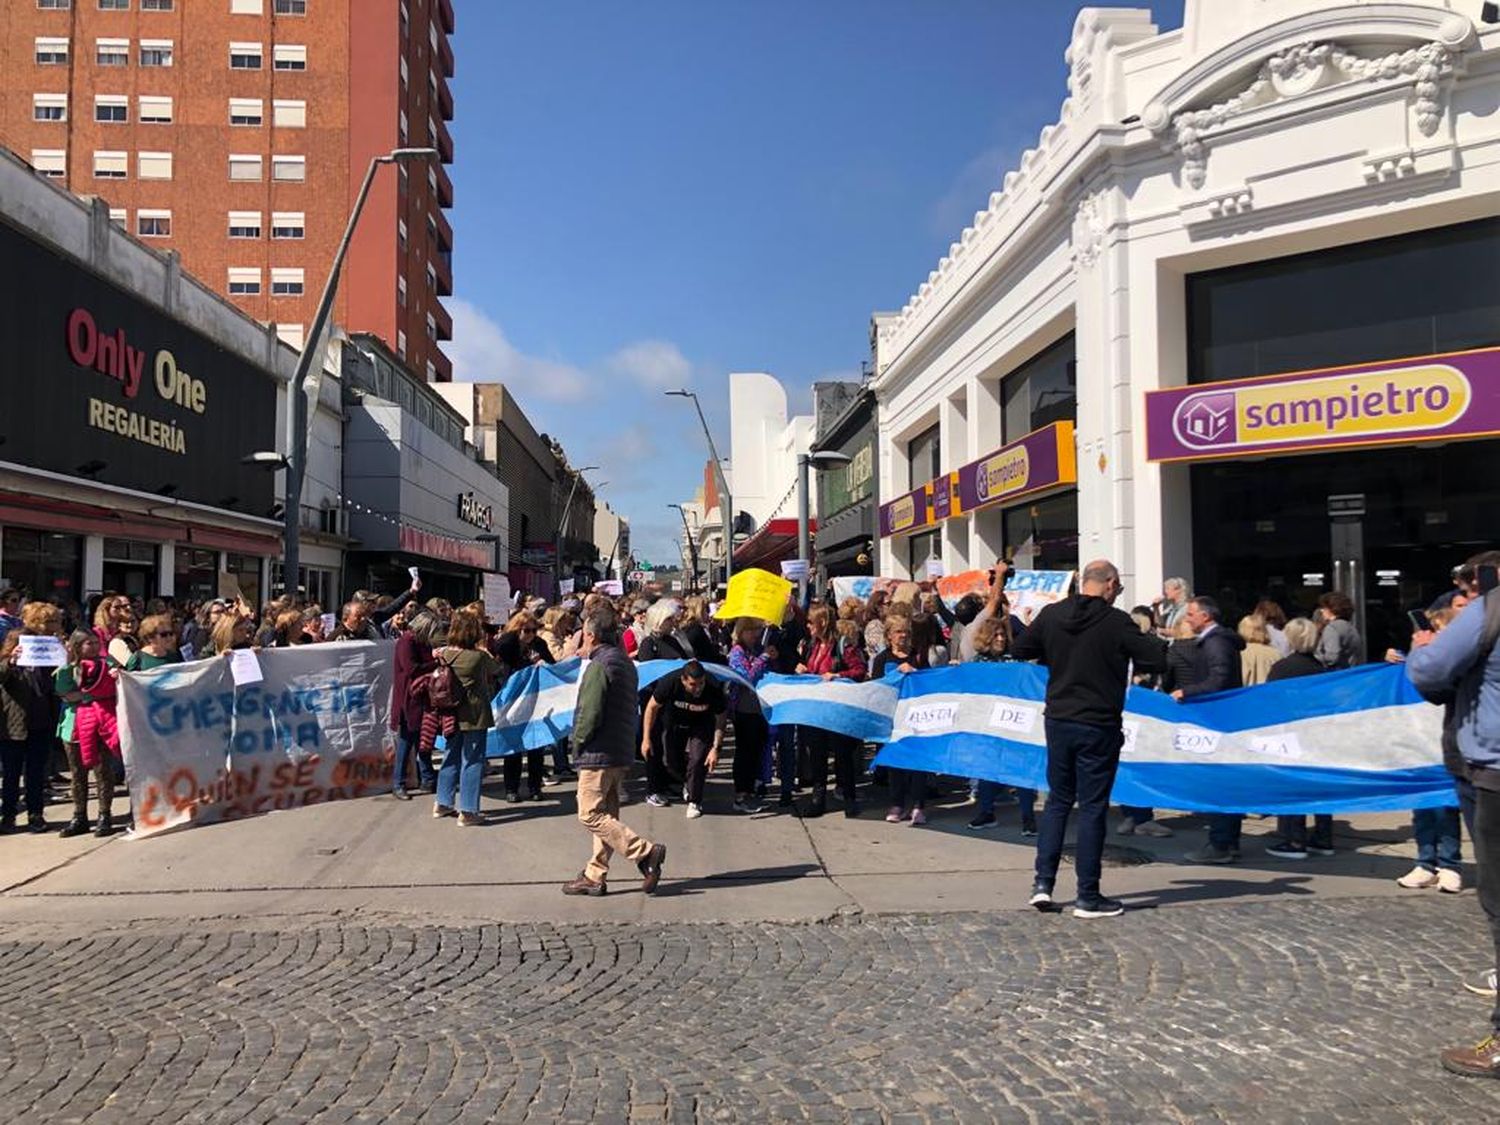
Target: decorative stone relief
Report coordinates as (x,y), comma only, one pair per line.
(1088,231)
(1298,71)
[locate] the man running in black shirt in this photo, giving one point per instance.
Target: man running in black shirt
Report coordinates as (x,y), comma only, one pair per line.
(696,711)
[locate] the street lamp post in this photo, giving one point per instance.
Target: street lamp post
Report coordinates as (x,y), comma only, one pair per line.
(726,501)
(296,453)
(692,549)
(826,459)
(563,521)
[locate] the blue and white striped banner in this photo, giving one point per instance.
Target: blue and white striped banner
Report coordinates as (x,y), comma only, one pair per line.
(862,710)
(1362,740)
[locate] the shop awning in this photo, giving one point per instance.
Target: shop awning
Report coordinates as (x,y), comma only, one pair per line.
(772,545)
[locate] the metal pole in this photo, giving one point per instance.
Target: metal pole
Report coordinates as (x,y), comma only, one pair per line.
(296,454)
(557,546)
(804,532)
(726,501)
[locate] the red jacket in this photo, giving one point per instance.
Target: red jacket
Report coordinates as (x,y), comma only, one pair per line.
(413,660)
(845,661)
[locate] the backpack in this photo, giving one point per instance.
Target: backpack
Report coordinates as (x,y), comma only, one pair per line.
(444,692)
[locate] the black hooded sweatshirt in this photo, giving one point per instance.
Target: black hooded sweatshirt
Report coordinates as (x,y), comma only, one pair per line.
(1088,646)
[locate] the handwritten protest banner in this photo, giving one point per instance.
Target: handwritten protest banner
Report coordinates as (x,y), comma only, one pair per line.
(200,748)
(756,593)
(1026,590)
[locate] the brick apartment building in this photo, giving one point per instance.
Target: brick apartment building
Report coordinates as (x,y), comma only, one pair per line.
(236,132)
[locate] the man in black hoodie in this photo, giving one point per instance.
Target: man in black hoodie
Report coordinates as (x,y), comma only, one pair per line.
(1088,647)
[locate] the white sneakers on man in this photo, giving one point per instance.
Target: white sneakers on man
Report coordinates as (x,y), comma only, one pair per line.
(1444,879)
(694,811)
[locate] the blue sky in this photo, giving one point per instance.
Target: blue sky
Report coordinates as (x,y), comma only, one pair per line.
(653,194)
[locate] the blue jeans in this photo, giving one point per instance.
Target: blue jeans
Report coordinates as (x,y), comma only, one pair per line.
(1436,831)
(463,770)
(406,749)
(1081,763)
(988,792)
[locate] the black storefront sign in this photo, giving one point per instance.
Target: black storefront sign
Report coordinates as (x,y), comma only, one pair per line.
(102,386)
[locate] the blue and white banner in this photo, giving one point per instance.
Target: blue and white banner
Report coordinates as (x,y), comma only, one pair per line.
(862,710)
(534,710)
(1362,740)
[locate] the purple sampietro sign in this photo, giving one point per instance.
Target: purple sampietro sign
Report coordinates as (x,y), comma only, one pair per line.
(1401,401)
(1043,459)
(906,513)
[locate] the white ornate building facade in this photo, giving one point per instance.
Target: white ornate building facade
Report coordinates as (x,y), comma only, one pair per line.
(1236,316)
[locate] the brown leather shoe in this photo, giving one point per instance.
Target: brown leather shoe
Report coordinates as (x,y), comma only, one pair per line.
(650,868)
(583,885)
(1481,1061)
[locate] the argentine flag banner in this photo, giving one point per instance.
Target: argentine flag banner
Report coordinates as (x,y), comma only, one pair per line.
(1361,740)
(534,710)
(861,710)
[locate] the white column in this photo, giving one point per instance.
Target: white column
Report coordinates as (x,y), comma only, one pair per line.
(93,564)
(166,569)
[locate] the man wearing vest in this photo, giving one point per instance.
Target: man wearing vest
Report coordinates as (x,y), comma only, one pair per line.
(604,737)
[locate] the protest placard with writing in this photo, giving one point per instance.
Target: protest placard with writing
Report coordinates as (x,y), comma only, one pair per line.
(200,748)
(756,593)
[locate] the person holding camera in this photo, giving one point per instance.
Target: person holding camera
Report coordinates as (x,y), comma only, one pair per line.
(1463,659)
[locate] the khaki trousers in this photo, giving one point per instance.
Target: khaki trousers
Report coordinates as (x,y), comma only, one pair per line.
(599,810)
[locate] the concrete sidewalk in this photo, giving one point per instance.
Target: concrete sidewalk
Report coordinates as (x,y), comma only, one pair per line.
(392,857)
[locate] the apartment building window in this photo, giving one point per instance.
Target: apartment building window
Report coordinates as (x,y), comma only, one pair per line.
(405,72)
(244,167)
(431,278)
(431,178)
(432,36)
(246,111)
(49,107)
(289,56)
(245,56)
(154,109)
(401,234)
(112,52)
(288,224)
(286,282)
(244,224)
(401,343)
(243,281)
(119,216)
(112,109)
(153,224)
(111,165)
(431,327)
(401,125)
(290,168)
(156,52)
(246,7)
(432,133)
(401,292)
(431,231)
(289,114)
(54,5)
(51,52)
(52,162)
(290,7)
(154,165)
(431,372)
(405,21)
(403,184)
(157,5)
(114,5)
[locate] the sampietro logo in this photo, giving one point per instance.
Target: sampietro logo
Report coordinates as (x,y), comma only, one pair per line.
(1369,404)
(1003,473)
(903,513)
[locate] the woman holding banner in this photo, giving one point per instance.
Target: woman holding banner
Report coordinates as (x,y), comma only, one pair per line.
(28,720)
(825,655)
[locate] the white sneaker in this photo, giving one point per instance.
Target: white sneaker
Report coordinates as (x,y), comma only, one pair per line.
(694,811)
(1449,880)
(1417,879)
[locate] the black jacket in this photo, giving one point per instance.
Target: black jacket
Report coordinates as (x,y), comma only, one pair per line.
(1182,665)
(1216,662)
(1088,647)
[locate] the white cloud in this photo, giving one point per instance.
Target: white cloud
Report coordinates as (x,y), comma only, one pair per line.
(970,190)
(653,363)
(481,353)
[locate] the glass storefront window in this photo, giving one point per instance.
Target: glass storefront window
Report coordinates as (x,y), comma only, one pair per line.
(197,574)
(246,568)
(925,455)
(130,568)
(1041,391)
(1043,535)
(923,547)
(1416,294)
(41,564)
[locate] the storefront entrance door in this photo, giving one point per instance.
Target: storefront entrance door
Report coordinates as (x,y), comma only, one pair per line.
(1346,513)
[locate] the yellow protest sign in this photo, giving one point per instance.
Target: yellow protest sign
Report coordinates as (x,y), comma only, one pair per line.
(756,593)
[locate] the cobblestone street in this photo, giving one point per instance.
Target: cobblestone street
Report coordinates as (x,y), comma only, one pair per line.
(1288,1011)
